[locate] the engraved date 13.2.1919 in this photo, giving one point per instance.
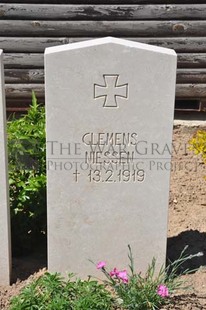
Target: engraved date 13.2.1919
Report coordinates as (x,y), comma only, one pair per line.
(112,176)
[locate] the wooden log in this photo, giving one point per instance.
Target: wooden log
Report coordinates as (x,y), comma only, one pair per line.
(102,12)
(103,28)
(24,76)
(32,45)
(108,1)
(23,60)
(20,76)
(189,60)
(187,76)
(36,60)
(21,104)
(38,45)
(182,45)
(17,109)
(191,91)
(22,91)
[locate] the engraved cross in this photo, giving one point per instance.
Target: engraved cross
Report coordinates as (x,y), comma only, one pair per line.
(110,91)
(76,173)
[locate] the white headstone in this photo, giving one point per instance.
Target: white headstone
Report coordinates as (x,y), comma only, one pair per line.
(110,106)
(5,252)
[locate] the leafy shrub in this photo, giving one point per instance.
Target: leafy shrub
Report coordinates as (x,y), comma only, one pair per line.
(198,144)
(51,292)
(27,177)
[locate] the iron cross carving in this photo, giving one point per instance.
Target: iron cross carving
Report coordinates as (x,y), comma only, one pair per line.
(110,91)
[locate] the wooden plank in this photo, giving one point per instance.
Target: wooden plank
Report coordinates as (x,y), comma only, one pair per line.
(17,91)
(191,91)
(182,45)
(38,45)
(103,28)
(36,60)
(21,91)
(23,60)
(102,12)
(20,105)
(108,1)
(17,110)
(33,45)
(188,60)
(24,76)
(187,76)
(37,76)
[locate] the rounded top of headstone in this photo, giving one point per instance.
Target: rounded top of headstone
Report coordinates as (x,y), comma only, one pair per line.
(109,40)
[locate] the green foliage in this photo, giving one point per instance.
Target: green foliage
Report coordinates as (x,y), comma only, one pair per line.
(27,176)
(51,292)
(198,144)
(143,291)
(120,291)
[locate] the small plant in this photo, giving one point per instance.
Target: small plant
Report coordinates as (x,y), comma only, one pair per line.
(198,144)
(52,292)
(27,177)
(149,291)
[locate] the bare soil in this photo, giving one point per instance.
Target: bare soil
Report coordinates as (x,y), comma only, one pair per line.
(187,226)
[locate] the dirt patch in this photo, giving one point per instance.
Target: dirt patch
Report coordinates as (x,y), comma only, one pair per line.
(187,227)
(187,218)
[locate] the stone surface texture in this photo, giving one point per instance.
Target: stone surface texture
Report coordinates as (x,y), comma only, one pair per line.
(5,240)
(110,106)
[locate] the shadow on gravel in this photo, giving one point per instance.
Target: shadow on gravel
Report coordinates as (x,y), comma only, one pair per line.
(196,242)
(186,302)
(23,267)
(27,265)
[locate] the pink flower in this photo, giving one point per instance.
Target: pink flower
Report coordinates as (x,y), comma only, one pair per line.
(101,265)
(114,272)
(123,276)
(162,291)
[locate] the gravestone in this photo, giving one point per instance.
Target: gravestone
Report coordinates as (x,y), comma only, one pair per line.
(109,106)
(5,252)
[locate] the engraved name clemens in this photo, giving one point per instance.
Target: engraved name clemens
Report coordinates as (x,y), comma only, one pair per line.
(110,147)
(108,138)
